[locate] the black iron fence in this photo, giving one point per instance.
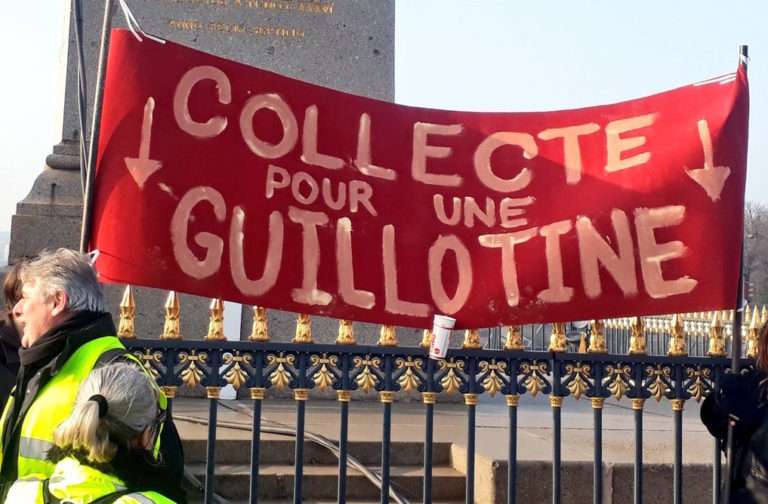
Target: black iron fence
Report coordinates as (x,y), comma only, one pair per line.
(472,372)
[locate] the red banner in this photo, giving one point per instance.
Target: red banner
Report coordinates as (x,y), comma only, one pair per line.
(223,180)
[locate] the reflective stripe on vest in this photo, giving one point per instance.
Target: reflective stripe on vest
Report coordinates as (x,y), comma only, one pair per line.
(34,448)
(144,498)
(29,491)
(54,403)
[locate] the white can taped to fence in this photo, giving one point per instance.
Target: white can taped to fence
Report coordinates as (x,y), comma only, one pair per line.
(441,335)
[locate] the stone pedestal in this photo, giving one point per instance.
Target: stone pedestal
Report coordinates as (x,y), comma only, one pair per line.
(343,44)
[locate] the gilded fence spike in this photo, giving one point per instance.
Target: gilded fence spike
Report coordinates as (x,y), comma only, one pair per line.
(303,329)
(260,328)
(346,333)
(747,314)
(677,341)
(557,341)
(472,339)
(426,339)
(126,327)
(387,336)
(172,325)
(753,334)
(764,315)
(582,343)
(597,338)
(216,321)
(716,338)
(514,338)
(637,337)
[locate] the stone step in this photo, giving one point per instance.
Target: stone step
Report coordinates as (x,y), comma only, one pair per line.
(320,482)
(281,451)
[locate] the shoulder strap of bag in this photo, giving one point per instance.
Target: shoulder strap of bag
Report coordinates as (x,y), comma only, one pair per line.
(48,497)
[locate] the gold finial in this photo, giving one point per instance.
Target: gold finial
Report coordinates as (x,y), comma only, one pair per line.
(764,315)
(126,328)
(557,341)
(597,338)
(753,334)
(426,338)
(748,314)
(514,338)
(582,343)
(216,321)
(716,339)
(637,337)
(346,333)
(471,339)
(387,336)
(677,340)
(260,329)
(303,329)
(172,325)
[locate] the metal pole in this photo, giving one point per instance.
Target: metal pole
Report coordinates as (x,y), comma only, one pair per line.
(106,27)
(210,455)
(82,89)
(736,332)
(428,398)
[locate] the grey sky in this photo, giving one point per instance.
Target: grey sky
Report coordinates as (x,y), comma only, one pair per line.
(453,54)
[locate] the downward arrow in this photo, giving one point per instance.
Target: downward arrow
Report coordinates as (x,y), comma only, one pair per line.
(712,178)
(141,168)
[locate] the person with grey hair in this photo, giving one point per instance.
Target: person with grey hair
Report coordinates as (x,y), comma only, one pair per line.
(65,334)
(115,419)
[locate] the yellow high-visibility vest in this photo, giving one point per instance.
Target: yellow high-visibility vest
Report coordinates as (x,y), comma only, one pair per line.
(54,403)
(72,481)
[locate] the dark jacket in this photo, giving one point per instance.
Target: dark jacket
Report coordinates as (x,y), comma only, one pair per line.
(9,356)
(43,360)
(743,398)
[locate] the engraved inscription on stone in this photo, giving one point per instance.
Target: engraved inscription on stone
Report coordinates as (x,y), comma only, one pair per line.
(323,7)
(342,44)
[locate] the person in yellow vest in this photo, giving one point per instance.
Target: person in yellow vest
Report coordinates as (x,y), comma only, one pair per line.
(9,333)
(65,334)
(115,419)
